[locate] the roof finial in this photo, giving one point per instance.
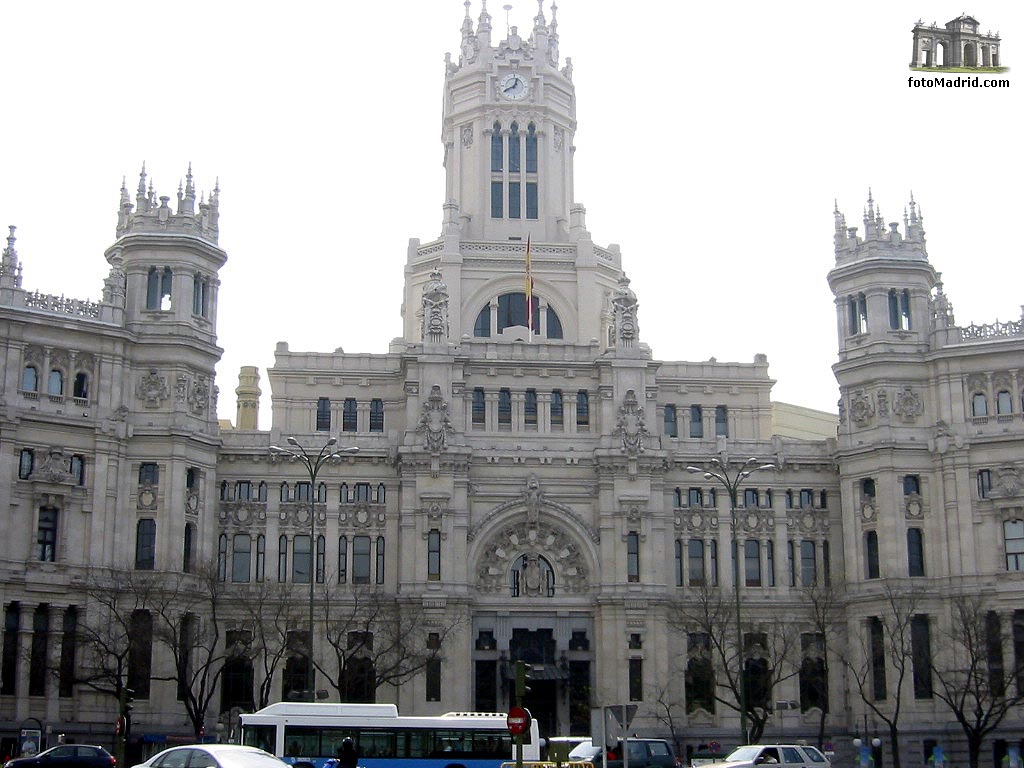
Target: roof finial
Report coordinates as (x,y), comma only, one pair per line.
(142,179)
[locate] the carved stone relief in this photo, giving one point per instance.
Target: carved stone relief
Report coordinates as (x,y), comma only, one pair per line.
(434,424)
(907,404)
(862,410)
(545,540)
(631,427)
(152,389)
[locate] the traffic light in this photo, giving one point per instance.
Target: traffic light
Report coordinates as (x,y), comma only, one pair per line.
(523,671)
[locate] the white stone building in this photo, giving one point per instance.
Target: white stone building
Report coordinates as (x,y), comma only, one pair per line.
(522,472)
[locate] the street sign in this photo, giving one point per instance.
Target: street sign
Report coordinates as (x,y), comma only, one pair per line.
(518,720)
(618,711)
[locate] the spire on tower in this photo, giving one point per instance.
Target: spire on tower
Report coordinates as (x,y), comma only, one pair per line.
(10,269)
(484,21)
(540,24)
(467,23)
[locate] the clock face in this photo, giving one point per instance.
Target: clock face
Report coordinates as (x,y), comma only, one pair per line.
(513,87)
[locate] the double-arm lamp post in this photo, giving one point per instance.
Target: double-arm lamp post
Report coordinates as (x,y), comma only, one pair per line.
(720,471)
(312,464)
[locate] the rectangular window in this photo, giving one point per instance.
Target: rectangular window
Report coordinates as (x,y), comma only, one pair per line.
(514,208)
(68,652)
(497,204)
(921,655)
(241,557)
(670,421)
(531,200)
(380,560)
(876,641)
(713,557)
(38,668)
(282,559)
(721,421)
(360,559)
(984,483)
(26,463)
(149,473)
(808,564)
(633,556)
(479,415)
(791,560)
(433,674)
(873,571)
(302,559)
(806,498)
(752,562)
(504,407)
(243,490)
(695,562)
(557,408)
(303,491)
(349,415)
(362,491)
(46,535)
(376,415)
(750,497)
(9,669)
(323,415)
(530,408)
(434,555)
(679,563)
(695,497)
(696,421)
(582,409)
(994,654)
(636,679)
(145,545)
(912,485)
(1013,540)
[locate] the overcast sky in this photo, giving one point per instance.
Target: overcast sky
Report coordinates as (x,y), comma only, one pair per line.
(712,141)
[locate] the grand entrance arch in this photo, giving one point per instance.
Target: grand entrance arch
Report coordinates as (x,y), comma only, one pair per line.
(534,559)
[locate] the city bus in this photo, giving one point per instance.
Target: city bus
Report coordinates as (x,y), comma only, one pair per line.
(308,735)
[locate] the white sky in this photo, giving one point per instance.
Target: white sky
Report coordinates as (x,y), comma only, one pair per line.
(712,141)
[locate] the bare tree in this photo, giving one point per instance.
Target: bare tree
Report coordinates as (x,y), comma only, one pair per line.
(824,604)
(187,621)
(768,655)
(668,705)
(973,680)
(377,639)
(269,612)
(888,644)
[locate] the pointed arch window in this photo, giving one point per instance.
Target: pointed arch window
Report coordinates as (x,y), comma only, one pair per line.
(496,149)
(531,148)
(513,149)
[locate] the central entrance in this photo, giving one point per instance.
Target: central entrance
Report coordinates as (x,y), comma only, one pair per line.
(559,679)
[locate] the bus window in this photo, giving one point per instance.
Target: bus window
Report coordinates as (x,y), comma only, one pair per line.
(260,736)
(376,744)
(301,742)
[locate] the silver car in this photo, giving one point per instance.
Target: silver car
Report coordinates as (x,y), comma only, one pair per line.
(213,756)
(782,755)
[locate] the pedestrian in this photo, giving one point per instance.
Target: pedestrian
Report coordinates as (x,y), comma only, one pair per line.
(347,755)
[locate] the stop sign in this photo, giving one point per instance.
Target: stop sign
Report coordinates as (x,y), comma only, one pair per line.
(518,720)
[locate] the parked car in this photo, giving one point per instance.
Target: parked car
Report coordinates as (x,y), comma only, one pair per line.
(643,753)
(784,755)
(66,756)
(213,756)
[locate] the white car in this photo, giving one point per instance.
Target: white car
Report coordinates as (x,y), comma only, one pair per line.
(783,755)
(213,756)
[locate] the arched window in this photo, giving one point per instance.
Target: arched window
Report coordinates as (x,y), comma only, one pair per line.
(899,310)
(222,557)
(80,389)
(380,559)
(262,491)
(55,384)
(678,497)
(282,559)
(381,498)
(284,492)
(30,379)
(261,557)
(531,148)
(979,404)
(858,307)
(343,496)
(482,327)
(321,493)
(145,545)
(871,554)
(531,575)
(1004,403)
(188,548)
(915,552)
(158,288)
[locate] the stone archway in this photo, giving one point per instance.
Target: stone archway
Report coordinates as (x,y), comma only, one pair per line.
(970,55)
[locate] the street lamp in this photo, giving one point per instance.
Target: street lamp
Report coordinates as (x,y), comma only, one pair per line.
(312,465)
(720,472)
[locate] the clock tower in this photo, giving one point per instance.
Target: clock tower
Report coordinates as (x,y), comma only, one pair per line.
(508,122)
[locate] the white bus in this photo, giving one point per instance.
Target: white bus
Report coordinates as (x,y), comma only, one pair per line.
(308,735)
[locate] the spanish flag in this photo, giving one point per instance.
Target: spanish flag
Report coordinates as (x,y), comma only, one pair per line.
(529,290)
